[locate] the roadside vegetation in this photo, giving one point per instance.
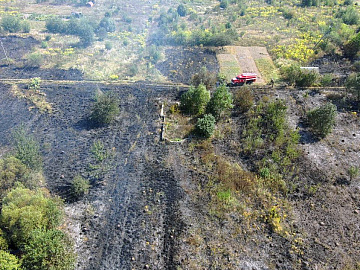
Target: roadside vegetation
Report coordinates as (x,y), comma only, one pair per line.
(30,216)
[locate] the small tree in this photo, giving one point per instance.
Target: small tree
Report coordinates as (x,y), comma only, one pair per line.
(244,99)
(224,4)
(11,24)
(204,77)
(220,102)
(353,84)
(322,119)
(105,109)
(181,10)
(48,250)
(194,101)
(25,210)
(80,186)
(27,149)
(293,74)
(352,47)
(205,126)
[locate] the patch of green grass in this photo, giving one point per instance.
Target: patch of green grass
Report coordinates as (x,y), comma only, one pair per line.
(229,66)
(267,69)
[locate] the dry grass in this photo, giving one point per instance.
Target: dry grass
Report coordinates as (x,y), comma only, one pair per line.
(35,97)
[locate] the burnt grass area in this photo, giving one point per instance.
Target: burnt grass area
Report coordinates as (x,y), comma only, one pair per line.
(149,208)
(16,49)
(130,219)
(181,64)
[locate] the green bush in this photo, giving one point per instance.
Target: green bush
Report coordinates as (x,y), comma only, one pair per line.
(104,110)
(11,23)
(326,79)
(204,77)
(274,118)
(48,250)
(8,261)
(34,60)
(25,210)
(194,101)
(243,99)
(55,25)
(108,45)
(353,84)
(349,15)
(11,170)
(220,103)
(293,74)
(181,10)
(27,149)
(44,44)
(25,26)
(322,119)
(205,126)
(352,47)
(224,4)
(80,186)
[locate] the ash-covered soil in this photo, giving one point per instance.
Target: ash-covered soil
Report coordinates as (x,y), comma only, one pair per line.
(147,208)
(181,63)
(130,219)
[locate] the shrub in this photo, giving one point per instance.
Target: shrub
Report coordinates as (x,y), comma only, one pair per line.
(3,243)
(224,4)
(349,16)
(11,23)
(86,34)
(181,10)
(11,171)
(205,126)
(104,110)
(204,77)
(322,119)
(8,261)
(220,102)
(293,74)
(306,78)
(27,149)
(108,45)
(48,250)
(243,100)
(34,60)
(55,25)
(352,83)
(326,79)
(194,101)
(25,26)
(274,117)
(352,47)
(353,172)
(133,70)
(44,44)
(108,24)
(25,210)
(80,186)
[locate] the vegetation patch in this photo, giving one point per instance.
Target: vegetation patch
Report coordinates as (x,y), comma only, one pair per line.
(267,69)
(33,95)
